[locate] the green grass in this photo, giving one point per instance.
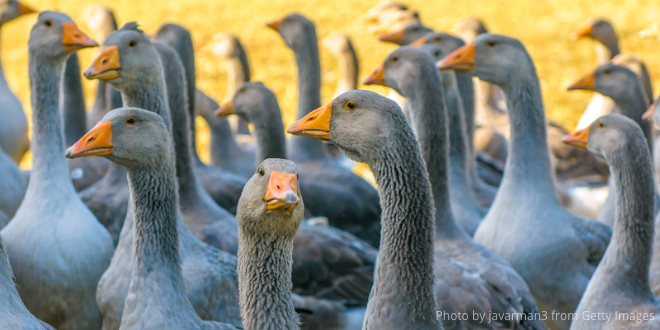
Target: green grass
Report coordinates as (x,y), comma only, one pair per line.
(543,26)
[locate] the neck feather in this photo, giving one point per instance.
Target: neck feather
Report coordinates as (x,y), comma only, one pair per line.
(269,132)
(466,90)
(633,105)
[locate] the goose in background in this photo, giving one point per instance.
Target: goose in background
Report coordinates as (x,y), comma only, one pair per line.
(223,186)
(402,295)
(141,141)
(620,284)
(57,249)
(341,47)
(208,274)
(653,115)
(527,225)
(389,16)
(14,124)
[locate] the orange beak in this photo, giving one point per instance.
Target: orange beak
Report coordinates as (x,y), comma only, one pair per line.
(395,37)
(97,142)
(419,42)
(648,115)
(587,83)
(106,66)
(577,138)
(24,10)
(225,110)
(276,25)
(377,77)
(461,59)
(584,32)
(282,191)
(316,124)
(73,39)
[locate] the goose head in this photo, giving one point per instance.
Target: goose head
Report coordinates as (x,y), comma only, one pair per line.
(609,79)
(406,35)
(598,29)
(100,20)
(12,9)
(127,56)
(337,43)
(132,137)
(469,28)
(607,135)
(403,67)
(248,102)
(271,202)
(224,45)
(174,35)
(295,29)
(56,36)
(494,58)
(360,123)
(445,41)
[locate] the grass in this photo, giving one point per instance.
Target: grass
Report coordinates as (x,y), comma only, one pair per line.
(543,26)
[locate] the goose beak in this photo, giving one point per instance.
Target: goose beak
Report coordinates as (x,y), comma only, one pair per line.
(73,39)
(97,142)
(377,77)
(225,110)
(276,25)
(587,83)
(584,32)
(316,124)
(577,138)
(648,115)
(395,37)
(282,191)
(461,59)
(418,43)
(106,66)
(24,10)
(153,36)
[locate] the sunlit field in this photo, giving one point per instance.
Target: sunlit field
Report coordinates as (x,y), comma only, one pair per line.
(543,26)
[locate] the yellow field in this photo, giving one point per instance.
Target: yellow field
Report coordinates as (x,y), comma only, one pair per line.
(544,27)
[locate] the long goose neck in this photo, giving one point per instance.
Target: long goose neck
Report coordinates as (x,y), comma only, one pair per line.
(48,162)
(348,70)
(73,103)
(238,71)
(309,93)
(269,132)
(223,144)
(407,234)
(607,50)
(633,105)
(154,200)
(149,96)
(466,90)
(528,164)
(628,256)
(264,276)
(100,100)
(427,102)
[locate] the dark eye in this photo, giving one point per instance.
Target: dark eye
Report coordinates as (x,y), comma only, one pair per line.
(297,176)
(394,58)
(438,39)
(415,29)
(48,23)
(350,105)
(261,171)
(601,125)
(131,120)
(436,53)
(606,71)
(132,43)
(491,43)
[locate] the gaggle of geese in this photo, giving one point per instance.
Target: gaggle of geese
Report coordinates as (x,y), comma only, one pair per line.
(480,218)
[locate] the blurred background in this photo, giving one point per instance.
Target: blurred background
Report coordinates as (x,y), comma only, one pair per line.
(544,26)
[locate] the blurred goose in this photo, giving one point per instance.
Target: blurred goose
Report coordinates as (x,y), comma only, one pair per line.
(14,125)
(389,16)
(341,47)
(619,289)
(57,248)
(526,224)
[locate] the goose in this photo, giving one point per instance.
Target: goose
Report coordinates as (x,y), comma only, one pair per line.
(12,186)
(140,141)
(228,47)
(620,287)
(14,125)
(269,213)
(346,261)
(402,294)
(57,249)
(653,115)
(622,86)
(209,274)
(427,91)
(526,225)
(389,16)
(101,21)
(607,48)
(341,47)
(85,171)
(223,186)
(13,313)
(406,35)
(468,277)
(299,34)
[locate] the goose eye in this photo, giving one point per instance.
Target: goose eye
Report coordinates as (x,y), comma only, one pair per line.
(394,59)
(132,43)
(131,120)
(491,43)
(261,171)
(436,53)
(606,71)
(48,23)
(415,29)
(601,125)
(350,105)
(438,39)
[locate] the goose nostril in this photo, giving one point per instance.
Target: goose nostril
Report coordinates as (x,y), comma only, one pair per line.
(104,61)
(279,187)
